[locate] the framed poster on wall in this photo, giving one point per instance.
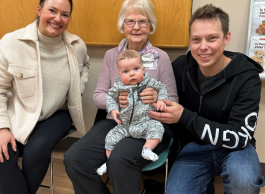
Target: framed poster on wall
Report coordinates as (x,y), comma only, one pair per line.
(256,33)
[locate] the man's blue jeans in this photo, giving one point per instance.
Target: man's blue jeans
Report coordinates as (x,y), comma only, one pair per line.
(194,170)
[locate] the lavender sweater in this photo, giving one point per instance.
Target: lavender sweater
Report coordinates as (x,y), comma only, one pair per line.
(109,71)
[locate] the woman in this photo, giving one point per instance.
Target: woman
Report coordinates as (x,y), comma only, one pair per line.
(137,21)
(39,69)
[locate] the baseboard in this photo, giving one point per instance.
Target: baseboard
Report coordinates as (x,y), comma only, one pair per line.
(65,144)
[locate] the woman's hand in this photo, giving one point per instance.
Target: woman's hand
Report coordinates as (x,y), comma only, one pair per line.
(172,113)
(123,99)
(149,96)
(5,138)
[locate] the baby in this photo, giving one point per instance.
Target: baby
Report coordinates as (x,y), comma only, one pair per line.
(133,121)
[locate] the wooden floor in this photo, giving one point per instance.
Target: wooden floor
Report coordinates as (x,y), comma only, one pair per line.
(63,185)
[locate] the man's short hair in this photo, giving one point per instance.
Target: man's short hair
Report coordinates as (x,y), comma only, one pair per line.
(129,54)
(210,12)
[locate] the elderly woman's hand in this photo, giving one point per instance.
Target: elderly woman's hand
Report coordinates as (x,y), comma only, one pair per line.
(172,113)
(123,99)
(149,96)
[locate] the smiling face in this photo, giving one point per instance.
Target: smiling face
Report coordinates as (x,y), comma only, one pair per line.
(207,43)
(54,17)
(136,35)
(131,71)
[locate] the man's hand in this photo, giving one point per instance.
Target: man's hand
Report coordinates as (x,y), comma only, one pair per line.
(5,138)
(114,114)
(172,113)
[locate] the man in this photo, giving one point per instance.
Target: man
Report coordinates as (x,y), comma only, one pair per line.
(219,95)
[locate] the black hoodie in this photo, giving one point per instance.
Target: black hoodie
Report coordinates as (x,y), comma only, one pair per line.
(226,115)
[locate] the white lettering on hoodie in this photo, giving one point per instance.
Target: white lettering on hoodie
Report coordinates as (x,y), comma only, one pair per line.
(245,135)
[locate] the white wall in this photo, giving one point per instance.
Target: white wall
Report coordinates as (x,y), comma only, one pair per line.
(238,12)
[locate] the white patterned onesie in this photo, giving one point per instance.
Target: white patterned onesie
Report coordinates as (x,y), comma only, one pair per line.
(135,121)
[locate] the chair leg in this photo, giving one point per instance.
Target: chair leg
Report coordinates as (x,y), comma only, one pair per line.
(166,175)
(51,166)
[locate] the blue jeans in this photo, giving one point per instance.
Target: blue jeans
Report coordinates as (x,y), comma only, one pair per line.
(194,170)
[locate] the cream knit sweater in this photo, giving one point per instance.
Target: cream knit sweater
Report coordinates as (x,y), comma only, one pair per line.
(55,74)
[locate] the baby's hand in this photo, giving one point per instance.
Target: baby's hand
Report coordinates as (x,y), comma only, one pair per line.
(114,114)
(161,106)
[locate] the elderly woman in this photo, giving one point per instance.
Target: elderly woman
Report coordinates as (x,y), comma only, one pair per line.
(44,68)
(137,21)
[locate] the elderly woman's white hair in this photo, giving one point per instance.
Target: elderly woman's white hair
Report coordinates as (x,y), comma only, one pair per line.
(144,7)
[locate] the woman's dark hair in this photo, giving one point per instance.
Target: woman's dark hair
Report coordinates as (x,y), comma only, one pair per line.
(43,1)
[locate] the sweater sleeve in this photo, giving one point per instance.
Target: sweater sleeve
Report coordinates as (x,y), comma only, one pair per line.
(166,76)
(83,62)
(112,98)
(103,84)
(84,73)
(159,87)
(5,87)
(239,130)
